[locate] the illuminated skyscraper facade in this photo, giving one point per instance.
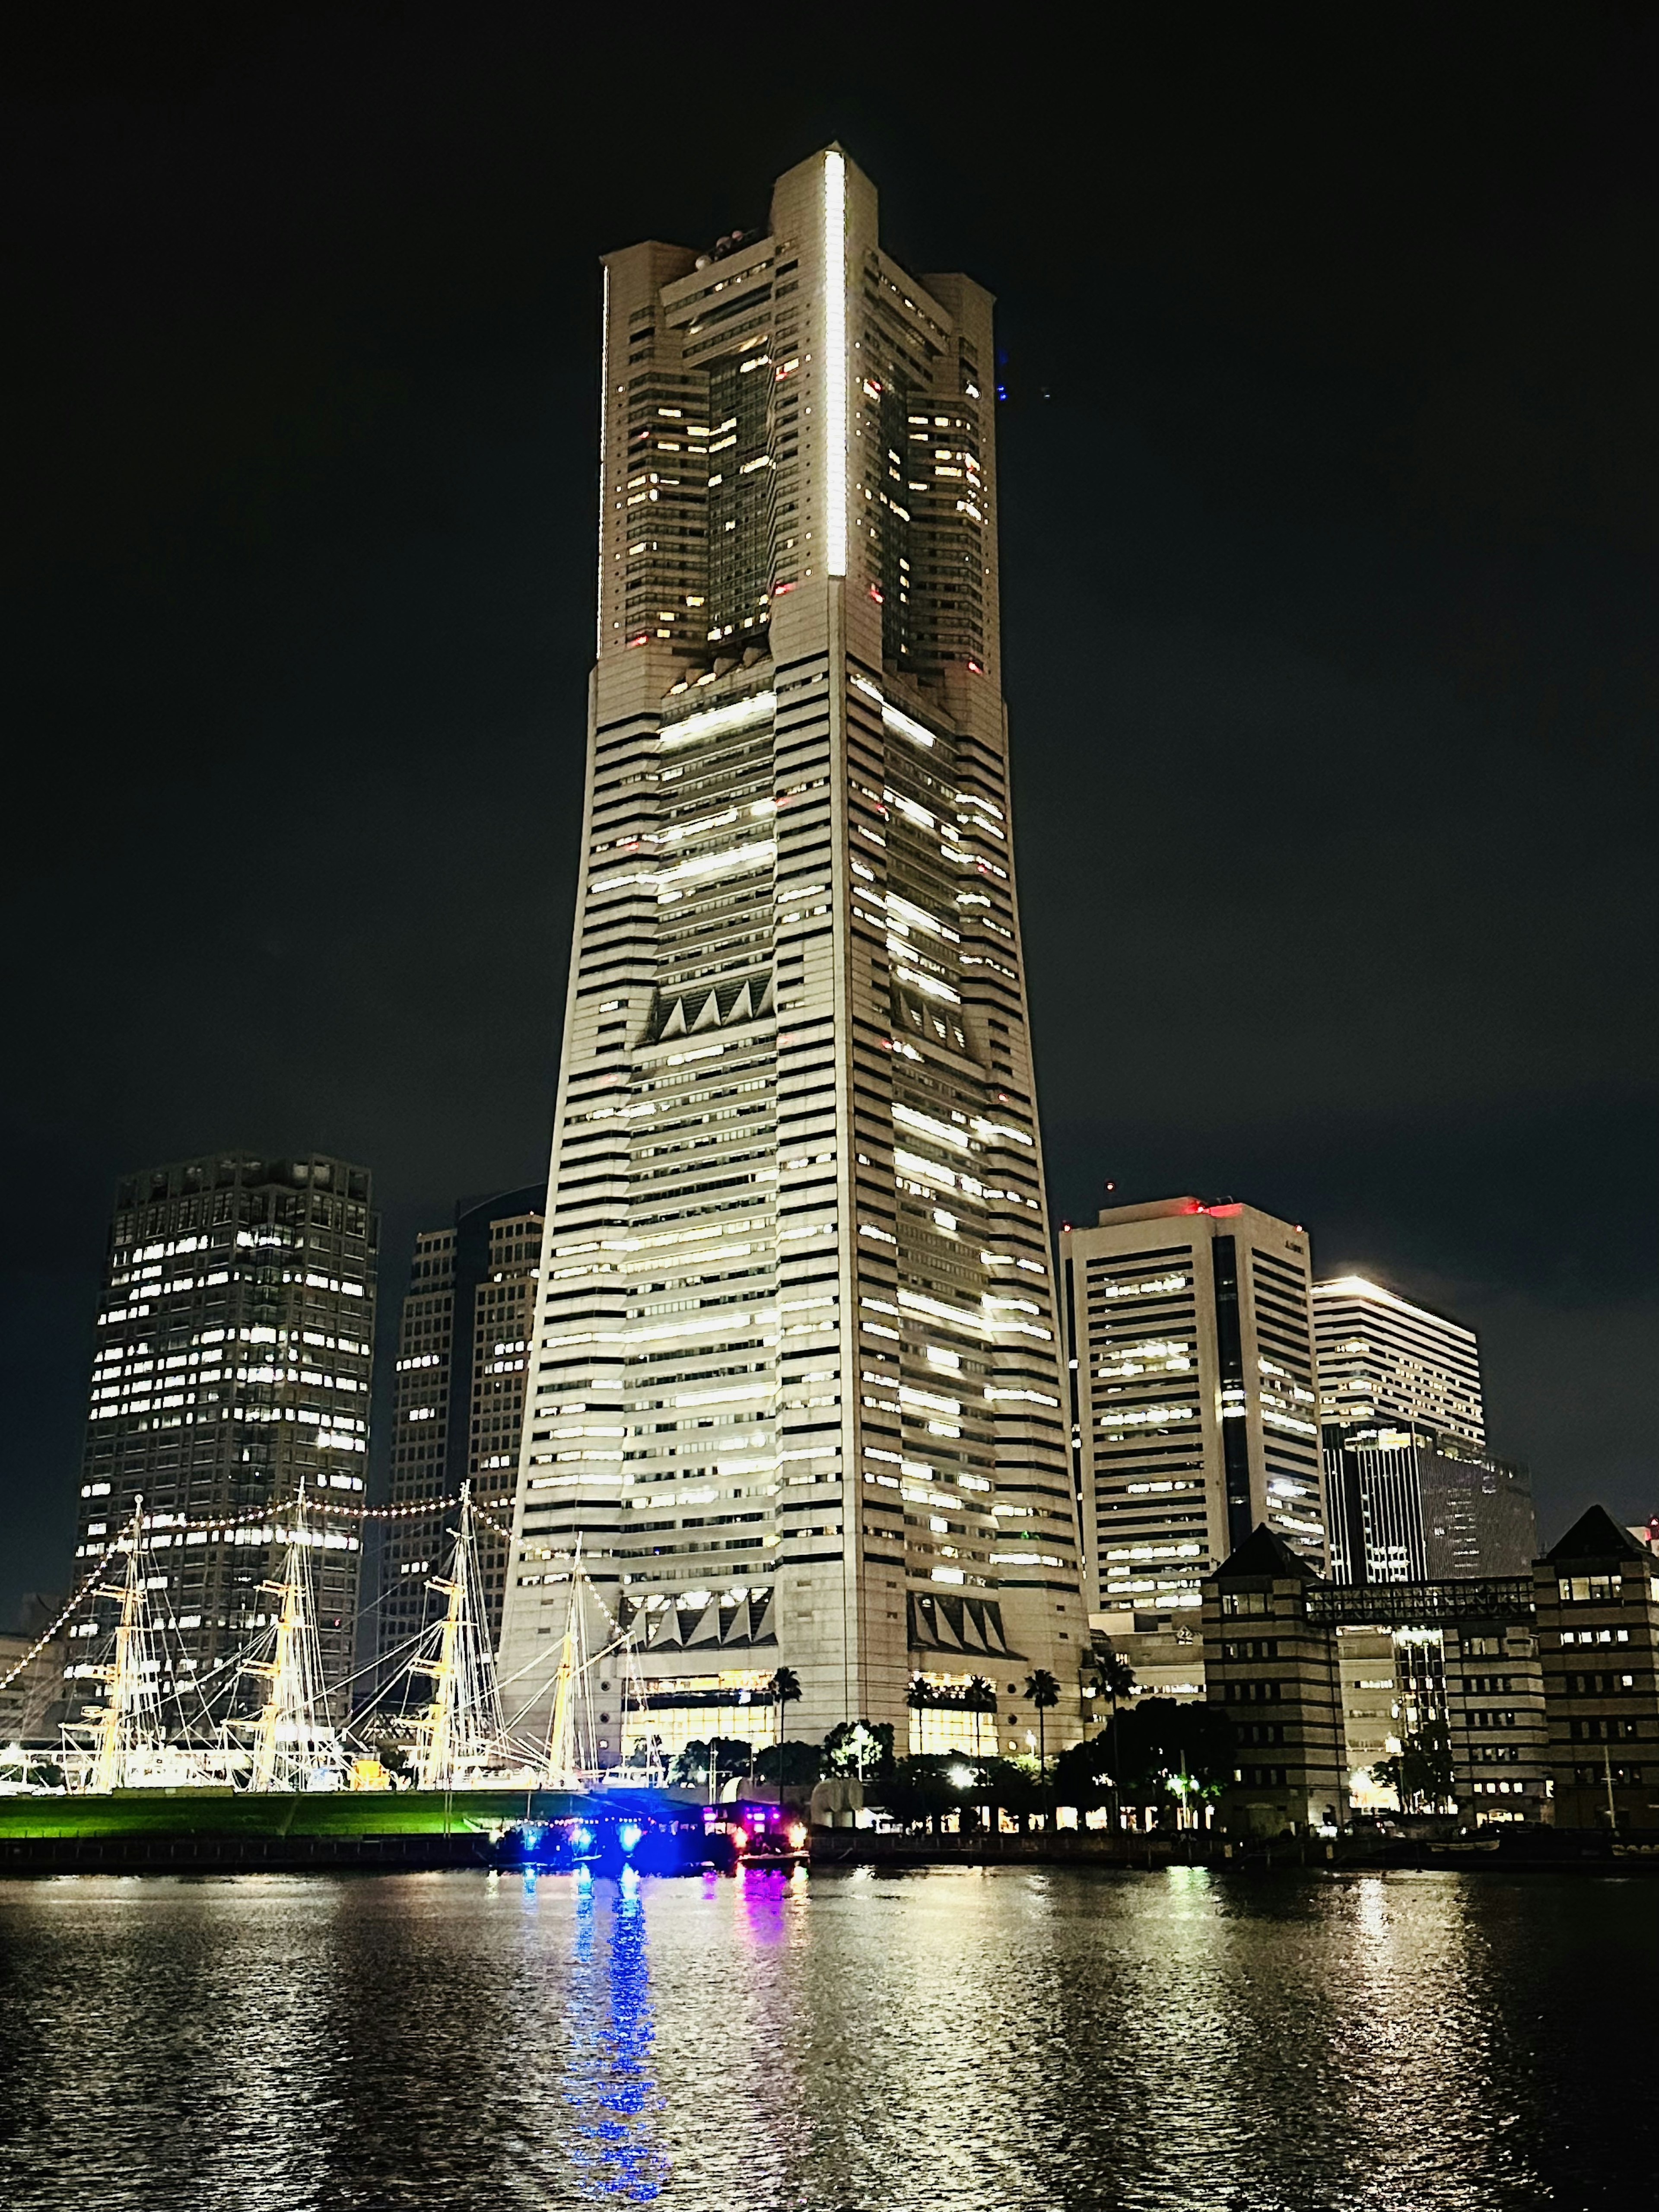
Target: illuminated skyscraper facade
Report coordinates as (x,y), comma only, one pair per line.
(458,1406)
(1412,1492)
(1382,1358)
(794,1384)
(1191,1354)
(234,1361)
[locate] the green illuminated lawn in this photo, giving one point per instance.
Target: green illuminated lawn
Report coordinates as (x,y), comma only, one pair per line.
(331,1812)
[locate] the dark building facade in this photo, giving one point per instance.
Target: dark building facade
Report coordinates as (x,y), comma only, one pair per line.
(1542,1689)
(458,1409)
(232,1364)
(1273,1668)
(1597,1595)
(1455,1661)
(1407,1504)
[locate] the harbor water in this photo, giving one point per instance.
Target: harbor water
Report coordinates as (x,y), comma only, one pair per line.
(957,2039)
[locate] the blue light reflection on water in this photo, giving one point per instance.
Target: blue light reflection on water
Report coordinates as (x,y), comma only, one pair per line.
(609,2086)
(1015,2041)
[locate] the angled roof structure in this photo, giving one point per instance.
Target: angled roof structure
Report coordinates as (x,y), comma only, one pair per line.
(1263,1554)
(1596,1535)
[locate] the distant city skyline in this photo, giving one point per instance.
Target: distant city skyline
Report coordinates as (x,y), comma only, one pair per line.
(323,856)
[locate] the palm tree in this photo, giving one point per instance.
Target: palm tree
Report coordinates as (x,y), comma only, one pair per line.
(985,1701)
(1114,1675)
(786,1691)
(1043,1692)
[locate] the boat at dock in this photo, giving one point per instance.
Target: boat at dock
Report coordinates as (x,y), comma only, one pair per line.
(280,1787)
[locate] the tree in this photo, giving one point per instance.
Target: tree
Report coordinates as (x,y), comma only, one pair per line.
(921,1788)
(1163,1747)
(861,1747)
(1043,1692)
(1083,1773)
(1421,1773)
(1114,1678)
(709,1763)
(785,1691)
(982,1700)
(1013,1788)
(395,1758)
(789,1764)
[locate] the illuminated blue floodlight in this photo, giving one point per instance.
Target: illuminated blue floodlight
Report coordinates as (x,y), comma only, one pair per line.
(581,1839)
(629,1835)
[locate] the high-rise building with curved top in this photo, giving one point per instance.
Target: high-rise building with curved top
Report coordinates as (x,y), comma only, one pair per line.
(795,1379)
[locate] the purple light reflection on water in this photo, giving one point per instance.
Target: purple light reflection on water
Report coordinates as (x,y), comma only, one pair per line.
(764,1892)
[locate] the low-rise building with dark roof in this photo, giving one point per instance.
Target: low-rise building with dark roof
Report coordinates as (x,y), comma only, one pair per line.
(1273,1668)
(1597,1599)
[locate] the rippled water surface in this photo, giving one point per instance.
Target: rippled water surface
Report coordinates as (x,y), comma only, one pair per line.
(955,2040)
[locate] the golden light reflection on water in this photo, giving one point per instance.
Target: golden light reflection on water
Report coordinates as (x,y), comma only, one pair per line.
(962,2040)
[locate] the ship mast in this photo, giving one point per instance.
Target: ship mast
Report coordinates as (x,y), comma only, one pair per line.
(634,1694)
(563,1759)
(286,1738)
(129,1685)
(461,1729)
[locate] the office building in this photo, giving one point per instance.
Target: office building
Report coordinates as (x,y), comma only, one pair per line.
(1328,1680)
(458,1405)
(232,1364)
(1457,1656)
(1193,1409)
(795,1384)
(1412,1492)
(1384,1360)
(1597,1595)
(1406,1505)
(1539,1693)
(1267,1664)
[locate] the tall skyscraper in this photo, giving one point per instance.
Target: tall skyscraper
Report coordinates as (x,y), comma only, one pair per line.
(1411,1491)
(458,1402)
(233,1361)
(1194,1405)
(795,1385)
(1383,1359)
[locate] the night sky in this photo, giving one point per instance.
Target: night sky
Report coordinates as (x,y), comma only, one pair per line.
(1328,506)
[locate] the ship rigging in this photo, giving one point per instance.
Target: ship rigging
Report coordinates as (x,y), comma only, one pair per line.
(439,1723)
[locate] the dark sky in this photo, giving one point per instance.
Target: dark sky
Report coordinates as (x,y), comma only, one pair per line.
(1329,513)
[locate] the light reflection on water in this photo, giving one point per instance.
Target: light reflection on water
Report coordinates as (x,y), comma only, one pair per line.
(964,2041)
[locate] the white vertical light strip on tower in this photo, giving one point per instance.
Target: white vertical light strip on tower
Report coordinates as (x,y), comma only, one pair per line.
(834,363)
(605,402)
